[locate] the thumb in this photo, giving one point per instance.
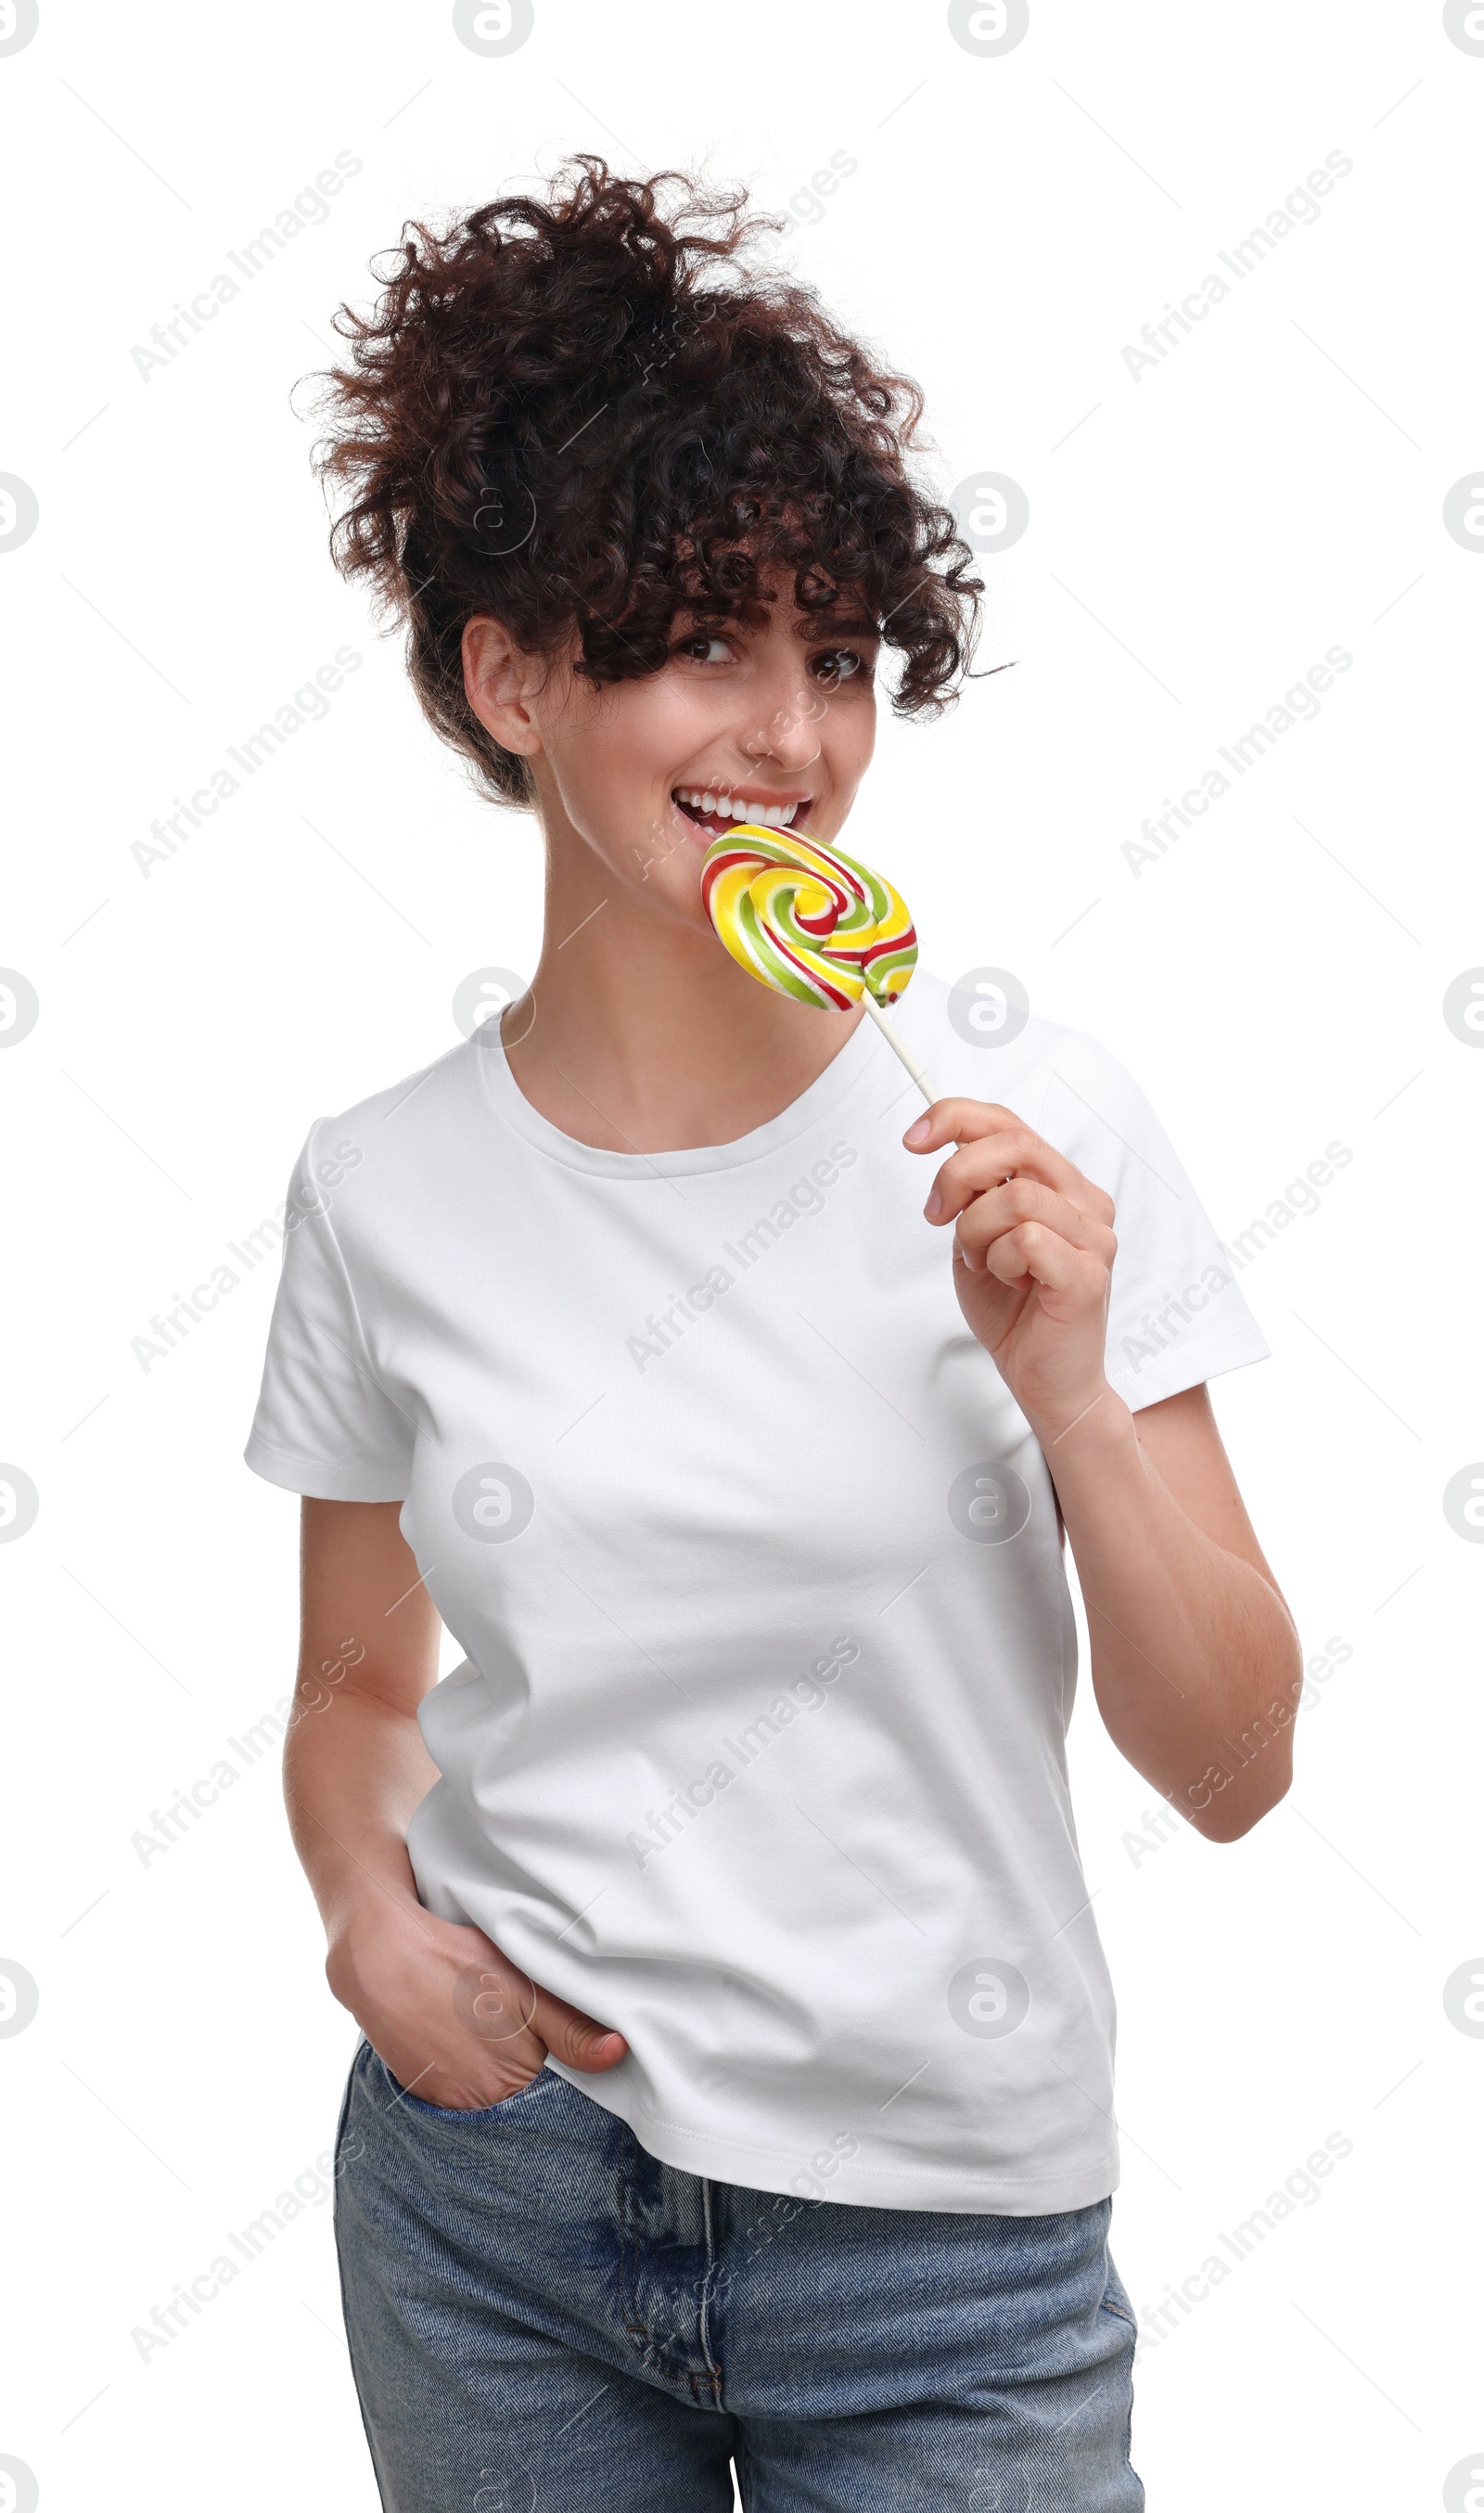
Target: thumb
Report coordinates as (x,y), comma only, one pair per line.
(577,2039)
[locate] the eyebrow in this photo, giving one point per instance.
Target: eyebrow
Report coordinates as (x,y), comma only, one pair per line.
(815,635)
(816,630)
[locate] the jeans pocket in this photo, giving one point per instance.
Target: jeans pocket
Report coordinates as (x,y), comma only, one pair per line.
(519,2095)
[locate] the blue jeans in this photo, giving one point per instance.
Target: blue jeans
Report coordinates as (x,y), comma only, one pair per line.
(542,2318)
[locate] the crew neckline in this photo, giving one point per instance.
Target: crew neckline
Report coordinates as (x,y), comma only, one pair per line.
(504,1095)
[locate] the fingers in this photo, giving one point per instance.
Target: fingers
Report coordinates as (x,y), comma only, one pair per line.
(1025,1203)
(960,1121)
(1031,1252)
(457,2023)
(437,2061)
(498,2048)
(993,1142)
(521,2021)
(486,2078)
(476,2067)
(574,2038)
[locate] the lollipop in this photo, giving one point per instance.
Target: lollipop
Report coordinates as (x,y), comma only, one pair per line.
(813,923)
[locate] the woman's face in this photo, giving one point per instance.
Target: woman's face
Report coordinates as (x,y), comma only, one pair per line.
(740,724)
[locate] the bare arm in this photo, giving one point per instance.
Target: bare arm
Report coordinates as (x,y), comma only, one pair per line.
(454,2022)
(1196,1664)
(355,1766)
(1195,1661)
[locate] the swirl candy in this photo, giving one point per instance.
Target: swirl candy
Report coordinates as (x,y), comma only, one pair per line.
(813,923)
(807,920)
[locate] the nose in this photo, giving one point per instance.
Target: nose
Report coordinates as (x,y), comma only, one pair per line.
(790,735)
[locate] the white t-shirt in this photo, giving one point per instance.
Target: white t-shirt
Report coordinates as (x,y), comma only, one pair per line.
(757,1750)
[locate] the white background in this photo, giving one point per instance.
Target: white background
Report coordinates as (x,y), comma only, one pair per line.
(1198,538)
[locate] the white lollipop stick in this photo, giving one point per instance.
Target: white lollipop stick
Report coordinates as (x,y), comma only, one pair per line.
(897,1045)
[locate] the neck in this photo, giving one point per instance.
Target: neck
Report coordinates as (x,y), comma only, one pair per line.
(644,1034)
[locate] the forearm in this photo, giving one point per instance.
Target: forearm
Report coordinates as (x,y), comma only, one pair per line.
(435,1998)
(1195,1662)
(354,1769)
(353,1775)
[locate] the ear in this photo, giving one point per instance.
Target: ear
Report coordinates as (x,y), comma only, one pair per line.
(503,682)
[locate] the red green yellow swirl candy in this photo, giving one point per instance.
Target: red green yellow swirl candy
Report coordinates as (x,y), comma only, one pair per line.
(807,920)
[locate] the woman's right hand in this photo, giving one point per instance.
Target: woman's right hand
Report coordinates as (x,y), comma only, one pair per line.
(456,2024)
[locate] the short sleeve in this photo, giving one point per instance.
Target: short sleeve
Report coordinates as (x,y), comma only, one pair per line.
(1177,1316)
(324,1425)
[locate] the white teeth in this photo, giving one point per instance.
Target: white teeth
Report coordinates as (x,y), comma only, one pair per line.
(767,815)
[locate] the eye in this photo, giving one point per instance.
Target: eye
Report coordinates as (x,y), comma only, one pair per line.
(705,647)
(839,664)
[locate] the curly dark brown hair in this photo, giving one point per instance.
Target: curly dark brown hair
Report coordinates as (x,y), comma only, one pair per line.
(584,415)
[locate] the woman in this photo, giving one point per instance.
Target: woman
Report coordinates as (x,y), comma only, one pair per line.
(735,2079)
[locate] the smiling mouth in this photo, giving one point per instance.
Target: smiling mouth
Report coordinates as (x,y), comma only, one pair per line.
(714,810)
